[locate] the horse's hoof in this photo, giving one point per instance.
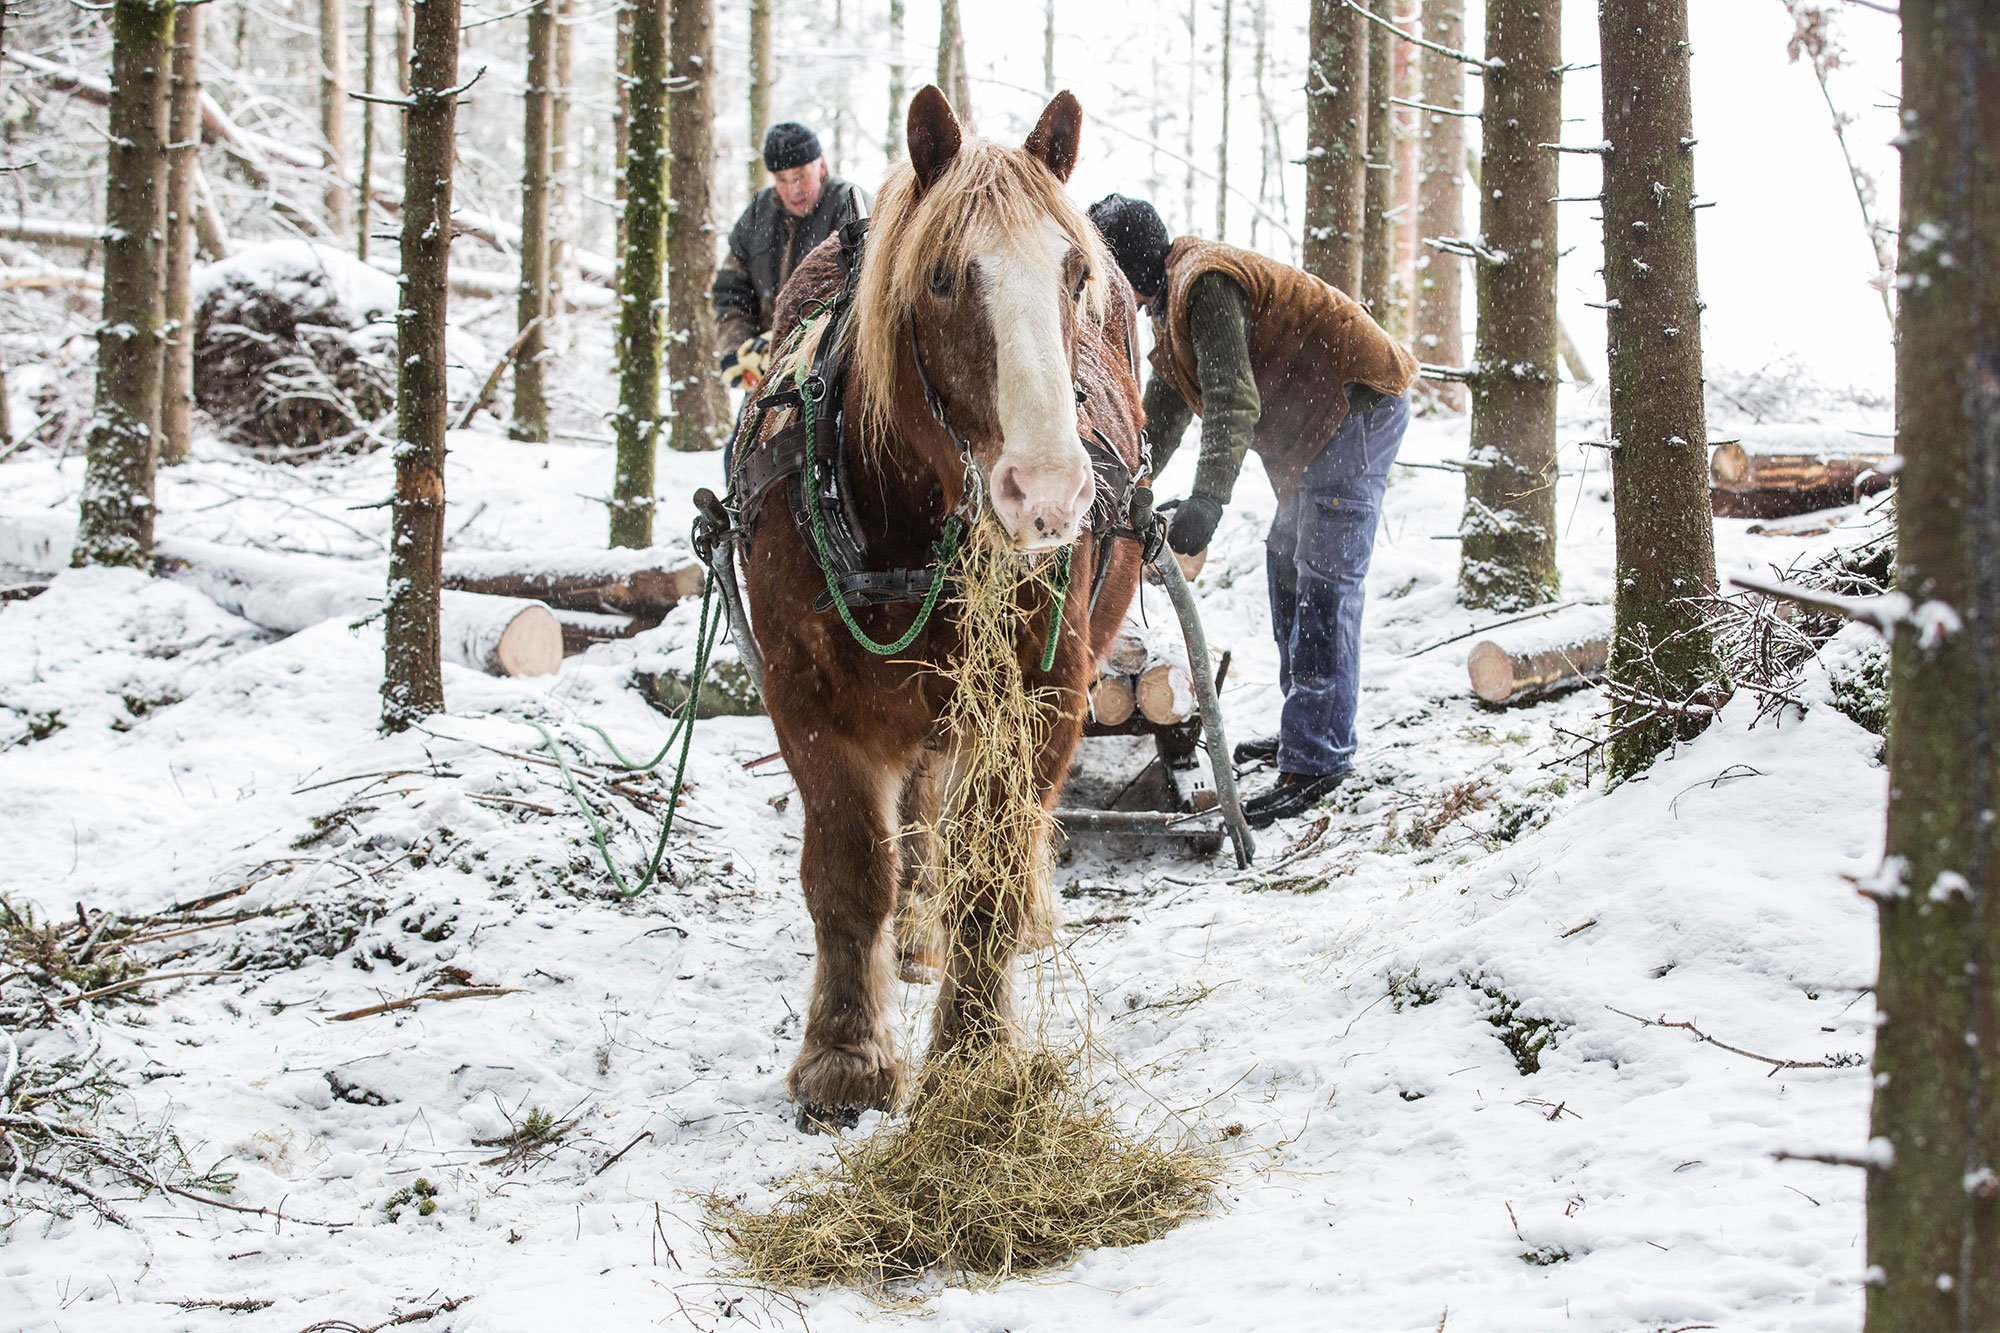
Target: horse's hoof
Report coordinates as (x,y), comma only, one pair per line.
(826,1119)
(830,1082)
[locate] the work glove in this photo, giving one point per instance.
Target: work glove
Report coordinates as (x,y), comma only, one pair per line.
(1193,525)
(744,368)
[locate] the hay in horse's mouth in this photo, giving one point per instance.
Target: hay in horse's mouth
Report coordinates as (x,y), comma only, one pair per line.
(1012,1162)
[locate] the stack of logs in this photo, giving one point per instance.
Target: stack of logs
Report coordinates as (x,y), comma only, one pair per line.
(1142,673)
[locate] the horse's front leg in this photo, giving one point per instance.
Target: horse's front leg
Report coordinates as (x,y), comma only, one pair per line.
(991,916)
(848,1063)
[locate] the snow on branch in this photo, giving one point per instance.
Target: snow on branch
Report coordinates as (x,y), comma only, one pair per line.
(1414,40)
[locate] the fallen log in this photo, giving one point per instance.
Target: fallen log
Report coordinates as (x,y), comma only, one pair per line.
(643,583)
(1535,659)
(1777,471)
(501,636)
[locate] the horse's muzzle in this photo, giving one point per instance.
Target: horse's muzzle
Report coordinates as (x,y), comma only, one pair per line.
(1041,505)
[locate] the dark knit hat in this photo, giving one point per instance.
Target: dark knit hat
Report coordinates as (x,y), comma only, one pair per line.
(1137,239)
(789,144)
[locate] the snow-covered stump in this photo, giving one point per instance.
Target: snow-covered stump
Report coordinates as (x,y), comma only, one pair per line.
(1537,658)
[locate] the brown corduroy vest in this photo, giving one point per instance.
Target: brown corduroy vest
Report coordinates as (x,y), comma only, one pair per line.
(1308,342)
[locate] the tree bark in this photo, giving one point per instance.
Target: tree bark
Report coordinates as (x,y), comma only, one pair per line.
(1405,80)
(1222,103)
(892,137)
(562,221)
(1336,142)
(700,409)
(412,680)
(621,126)
(951,75)
(531,407)
(1378,237)
(115,524)
(760,88)
(1440,313)
(637,422)
(333,108)
(1934,1213)
(365,194)
(184,140)
(1659,467)
(1508,536)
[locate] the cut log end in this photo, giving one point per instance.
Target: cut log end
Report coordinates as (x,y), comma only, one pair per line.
(530,645)
(1112,701)
(1165,693)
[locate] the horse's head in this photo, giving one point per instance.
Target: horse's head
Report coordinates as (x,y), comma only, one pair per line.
(979,270)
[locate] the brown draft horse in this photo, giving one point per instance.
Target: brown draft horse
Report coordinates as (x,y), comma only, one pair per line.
(978,261)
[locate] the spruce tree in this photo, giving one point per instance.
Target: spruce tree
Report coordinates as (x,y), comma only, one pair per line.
(531,308)
(115,519)
(184,140)
(1659,459)
(1440,300)
(1934,1192)
(1507,537)
(412,679)
(1336,142)
(700,408)
(636,423)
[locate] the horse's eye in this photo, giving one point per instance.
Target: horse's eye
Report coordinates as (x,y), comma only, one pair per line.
(1082,281)
(941,280)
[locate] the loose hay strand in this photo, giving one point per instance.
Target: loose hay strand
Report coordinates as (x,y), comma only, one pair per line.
(1010,1157)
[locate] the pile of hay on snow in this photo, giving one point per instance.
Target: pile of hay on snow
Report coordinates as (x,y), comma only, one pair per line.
(1009,1162)
(295,349)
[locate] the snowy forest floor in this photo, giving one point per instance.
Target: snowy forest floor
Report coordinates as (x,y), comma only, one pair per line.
(1401,1027)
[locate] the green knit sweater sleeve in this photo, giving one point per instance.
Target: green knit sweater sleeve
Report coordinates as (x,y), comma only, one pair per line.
(1167,417)
(1219,327)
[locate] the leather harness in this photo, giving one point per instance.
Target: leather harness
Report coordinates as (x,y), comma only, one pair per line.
(779,458)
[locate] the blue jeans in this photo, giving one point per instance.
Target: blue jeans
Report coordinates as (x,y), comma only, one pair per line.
(1316,557)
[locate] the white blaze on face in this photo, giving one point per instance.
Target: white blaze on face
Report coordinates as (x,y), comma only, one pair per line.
(1041,482)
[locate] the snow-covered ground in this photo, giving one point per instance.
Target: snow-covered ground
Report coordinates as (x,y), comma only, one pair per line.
(1416,1028)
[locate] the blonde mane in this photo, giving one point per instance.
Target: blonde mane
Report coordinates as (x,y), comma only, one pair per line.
(988,193)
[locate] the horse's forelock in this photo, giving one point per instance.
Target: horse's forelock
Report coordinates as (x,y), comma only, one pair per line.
(988,194)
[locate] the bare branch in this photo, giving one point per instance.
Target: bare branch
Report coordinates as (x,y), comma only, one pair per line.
(1414,40)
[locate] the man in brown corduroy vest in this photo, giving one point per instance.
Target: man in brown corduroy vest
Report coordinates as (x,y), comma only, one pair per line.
(1273,359)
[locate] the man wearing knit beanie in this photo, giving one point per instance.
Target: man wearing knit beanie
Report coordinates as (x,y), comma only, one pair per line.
(1278,363)
(803,205)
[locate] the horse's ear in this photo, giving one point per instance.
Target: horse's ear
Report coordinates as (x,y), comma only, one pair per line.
(934,135)
(1055,135)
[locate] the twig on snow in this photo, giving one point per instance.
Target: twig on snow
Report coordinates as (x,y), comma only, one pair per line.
(412,1001)
(1845,1060)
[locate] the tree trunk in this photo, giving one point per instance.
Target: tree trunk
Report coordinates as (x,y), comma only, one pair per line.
(531,309)
(951,76)
(366,193)
(1336,142)
(412,680)
(1440,300)
(115,525)
(700,409)
(760,87)
(562,222)
(637,423)
(1408,121)
(1934,1210)
(1659,465)
(1194,92)
(892,138)
(1378,237)
(184,138)
(1508,536)
(403,38)
(1049,45)
(333,108)
(1222,132)
(621,124)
